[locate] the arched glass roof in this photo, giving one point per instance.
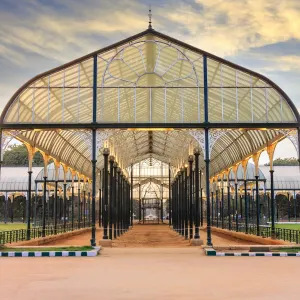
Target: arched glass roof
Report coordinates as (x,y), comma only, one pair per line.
(150,79)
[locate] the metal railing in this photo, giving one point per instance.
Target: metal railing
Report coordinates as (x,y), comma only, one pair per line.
(13,236)
(290,235)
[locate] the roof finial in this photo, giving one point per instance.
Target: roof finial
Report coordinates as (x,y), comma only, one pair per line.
(150,18)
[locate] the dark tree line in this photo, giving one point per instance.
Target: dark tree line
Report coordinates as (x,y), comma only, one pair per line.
(17,156)
(292,161)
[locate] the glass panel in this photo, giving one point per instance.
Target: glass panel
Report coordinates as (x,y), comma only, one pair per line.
(245,114)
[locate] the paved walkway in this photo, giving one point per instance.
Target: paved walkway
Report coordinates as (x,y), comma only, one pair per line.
(148,274)
(152,236)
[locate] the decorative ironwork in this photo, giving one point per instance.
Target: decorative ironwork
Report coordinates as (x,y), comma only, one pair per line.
(292,135)
(198,135)
(7,137)
(214,135)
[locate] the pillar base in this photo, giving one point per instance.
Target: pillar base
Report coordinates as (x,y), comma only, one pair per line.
(196,242)
(105,243)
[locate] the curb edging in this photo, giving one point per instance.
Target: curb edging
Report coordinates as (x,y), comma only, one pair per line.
(90,253)
(213,252)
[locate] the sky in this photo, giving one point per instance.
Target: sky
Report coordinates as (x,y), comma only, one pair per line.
(262,35)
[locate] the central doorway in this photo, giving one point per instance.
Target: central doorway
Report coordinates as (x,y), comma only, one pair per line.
(152,211)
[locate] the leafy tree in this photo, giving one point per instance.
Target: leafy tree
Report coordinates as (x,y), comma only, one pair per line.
(285,162)
(17,155)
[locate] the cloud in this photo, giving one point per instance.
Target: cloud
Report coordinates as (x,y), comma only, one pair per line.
(38,35)
(226,27)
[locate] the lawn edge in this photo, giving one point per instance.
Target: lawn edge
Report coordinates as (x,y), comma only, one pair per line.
(89,253)
(213,252)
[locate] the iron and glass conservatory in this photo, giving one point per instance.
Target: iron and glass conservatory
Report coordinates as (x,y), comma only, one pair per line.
(152,97)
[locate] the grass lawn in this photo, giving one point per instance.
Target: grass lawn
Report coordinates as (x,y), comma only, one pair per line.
(12,226)
(288,226)
(288,250)
(82,248)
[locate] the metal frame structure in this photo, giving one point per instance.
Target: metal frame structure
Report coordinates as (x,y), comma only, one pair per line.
(150,96)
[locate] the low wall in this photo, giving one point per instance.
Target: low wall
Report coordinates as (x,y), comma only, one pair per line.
(50,238)
(250,237)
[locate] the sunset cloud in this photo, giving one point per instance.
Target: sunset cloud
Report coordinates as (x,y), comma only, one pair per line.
(37,35)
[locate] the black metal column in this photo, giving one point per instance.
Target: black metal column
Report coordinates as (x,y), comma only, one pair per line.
(246,207)
(84,206)
(100,199)
(191,160)
(115,197)
(44,207)
(29,206)
(170,197)
(89,209)
(207,161)
(236,207)
(228,203)
(140,204)
(173,204)
(162,204)
(121,201)
(212,207)
(111,178)
(222,206)
(105,193)
(79,206)
(257,206)
(119,191)
(94,161)
(131,196)
(65,206)
(176,194)
(197,212)
(217,207)
(55,206)
(273,234)
(72,207)
(181,201)
(201,207)
(186,205)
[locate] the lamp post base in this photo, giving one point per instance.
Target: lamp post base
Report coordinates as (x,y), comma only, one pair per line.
(196,242)
(105,243)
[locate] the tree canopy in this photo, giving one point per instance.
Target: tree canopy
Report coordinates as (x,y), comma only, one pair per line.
(292,161)
(17,155)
